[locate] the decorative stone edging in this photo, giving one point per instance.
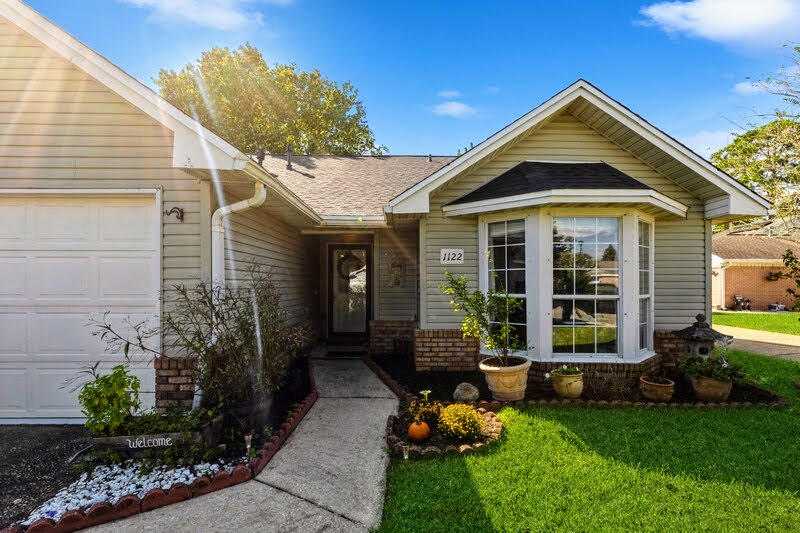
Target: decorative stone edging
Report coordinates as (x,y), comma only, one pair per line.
(130,504)
(775,401)
(492,424)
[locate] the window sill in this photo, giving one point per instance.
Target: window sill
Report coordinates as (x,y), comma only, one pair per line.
(565,358)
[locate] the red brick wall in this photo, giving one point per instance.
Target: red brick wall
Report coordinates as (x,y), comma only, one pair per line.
(751,282)
(174,382)
(670,348)
(602,375)
(444,350)
(383,333)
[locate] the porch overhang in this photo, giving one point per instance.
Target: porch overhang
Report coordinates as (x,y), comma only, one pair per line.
(647,200)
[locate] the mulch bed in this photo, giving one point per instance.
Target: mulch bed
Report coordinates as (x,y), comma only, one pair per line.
(33,465)
(291,405)
(400,370)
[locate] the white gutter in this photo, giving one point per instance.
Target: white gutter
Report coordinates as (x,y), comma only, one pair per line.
(218,231)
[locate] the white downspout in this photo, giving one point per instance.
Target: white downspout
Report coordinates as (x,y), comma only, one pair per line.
(218,231)
(218,249)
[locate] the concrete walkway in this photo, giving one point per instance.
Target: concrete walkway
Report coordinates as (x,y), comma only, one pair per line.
(781,345)
(330,475)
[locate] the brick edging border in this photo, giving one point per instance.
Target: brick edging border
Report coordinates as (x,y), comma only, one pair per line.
(495,405)
(102,512)
(490,421)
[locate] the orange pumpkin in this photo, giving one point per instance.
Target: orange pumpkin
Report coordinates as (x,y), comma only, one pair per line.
(419,431)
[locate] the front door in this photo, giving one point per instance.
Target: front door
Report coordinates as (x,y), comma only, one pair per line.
(349,292)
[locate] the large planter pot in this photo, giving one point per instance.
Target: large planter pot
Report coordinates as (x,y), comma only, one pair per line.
(656,392)
(711,390)
(569,386)
(507,383)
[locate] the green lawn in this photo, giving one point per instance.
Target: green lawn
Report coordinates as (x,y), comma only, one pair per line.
(784,322)
(581,469)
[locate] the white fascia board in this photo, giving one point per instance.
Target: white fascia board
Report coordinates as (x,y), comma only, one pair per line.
(415,199)
(571,196)
(194,145)
(354,221)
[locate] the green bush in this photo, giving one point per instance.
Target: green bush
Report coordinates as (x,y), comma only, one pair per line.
(108,400)
(461,422)
(715,367)
(428,412)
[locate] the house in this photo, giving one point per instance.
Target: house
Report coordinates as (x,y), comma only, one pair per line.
(109,195)
(744,261)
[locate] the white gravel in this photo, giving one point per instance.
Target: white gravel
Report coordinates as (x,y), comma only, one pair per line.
(112,482)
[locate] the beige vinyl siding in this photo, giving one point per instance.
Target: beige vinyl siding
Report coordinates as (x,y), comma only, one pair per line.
(253,236)
(60,128)
(680,246)
(397,303)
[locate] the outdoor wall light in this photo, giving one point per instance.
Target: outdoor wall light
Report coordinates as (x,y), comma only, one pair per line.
(177,211)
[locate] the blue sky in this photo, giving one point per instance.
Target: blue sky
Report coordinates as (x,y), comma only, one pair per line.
(435,76)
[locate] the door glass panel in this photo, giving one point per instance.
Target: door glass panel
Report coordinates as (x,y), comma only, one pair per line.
(349,290)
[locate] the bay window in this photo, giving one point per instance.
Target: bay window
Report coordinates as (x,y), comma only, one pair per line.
(584,279)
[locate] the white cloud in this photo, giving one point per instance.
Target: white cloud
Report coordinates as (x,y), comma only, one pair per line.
(218,14)
(491,90)
(455,109)
(450,93)
(706,143)
(747,88)
(734,22)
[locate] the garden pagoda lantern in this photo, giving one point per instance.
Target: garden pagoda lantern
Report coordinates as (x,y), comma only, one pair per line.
(700,338)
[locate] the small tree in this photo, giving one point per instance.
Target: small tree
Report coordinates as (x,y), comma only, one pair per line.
(486,316)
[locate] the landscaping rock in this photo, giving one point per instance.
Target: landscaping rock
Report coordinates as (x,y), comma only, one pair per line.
(466,392)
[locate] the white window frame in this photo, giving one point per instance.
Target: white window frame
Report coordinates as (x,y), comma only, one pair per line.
(539,280)
(648,350)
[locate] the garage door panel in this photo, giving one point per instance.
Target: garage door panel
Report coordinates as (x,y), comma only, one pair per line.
(14,334)
(64,260)
(13,276)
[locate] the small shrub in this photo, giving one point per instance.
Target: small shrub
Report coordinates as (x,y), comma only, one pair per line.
(461,422)
(110,399)
(715,367)
(428,412)
(565,370)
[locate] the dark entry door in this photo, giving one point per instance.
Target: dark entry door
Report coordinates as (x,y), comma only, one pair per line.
(349,291)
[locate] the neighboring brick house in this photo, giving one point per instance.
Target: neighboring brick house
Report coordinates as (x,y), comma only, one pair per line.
(741,264)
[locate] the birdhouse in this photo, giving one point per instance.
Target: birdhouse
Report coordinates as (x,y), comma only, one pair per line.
(700,338)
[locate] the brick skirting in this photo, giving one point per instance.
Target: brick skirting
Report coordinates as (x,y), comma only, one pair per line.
(174,382)
(391,336)
(605,378)
(670,347)
(444,350)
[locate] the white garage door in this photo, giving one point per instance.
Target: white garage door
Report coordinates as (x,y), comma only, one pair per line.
(64,259)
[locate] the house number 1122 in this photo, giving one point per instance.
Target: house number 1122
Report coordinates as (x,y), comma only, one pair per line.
(451,256)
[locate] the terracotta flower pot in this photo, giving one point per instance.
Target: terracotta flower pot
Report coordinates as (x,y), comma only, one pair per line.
(710,389)
(568,386)
(507,383)
(656,392)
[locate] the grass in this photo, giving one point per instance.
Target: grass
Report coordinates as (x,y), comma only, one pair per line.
(581,469)
(781,322)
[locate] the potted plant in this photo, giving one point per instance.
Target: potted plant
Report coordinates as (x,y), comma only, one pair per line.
(486,318)
(656,388)
(712,377)
(567,381)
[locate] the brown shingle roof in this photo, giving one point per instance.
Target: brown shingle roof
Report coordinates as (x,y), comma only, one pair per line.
(752,247)
(356,186)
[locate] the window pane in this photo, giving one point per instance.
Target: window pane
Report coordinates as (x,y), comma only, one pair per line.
(516,256)
(606,314)
(562,282)
(585,230)
(516,281)
(644,344)
(584,282)
(519,339)
(606,340)
(586,256)
(515,232)
(562,340)
(562,256)
(644,282)
(608,230)
(607,282)
(584,339)
(518,316)
(644,233)
(583,313)
(607,255)
(497,234)
(497,280)
(563,229)
(497,257)
(644,257)
(562,311)
(644,314)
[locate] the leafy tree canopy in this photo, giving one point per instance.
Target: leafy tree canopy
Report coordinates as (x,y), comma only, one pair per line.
(254,106)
